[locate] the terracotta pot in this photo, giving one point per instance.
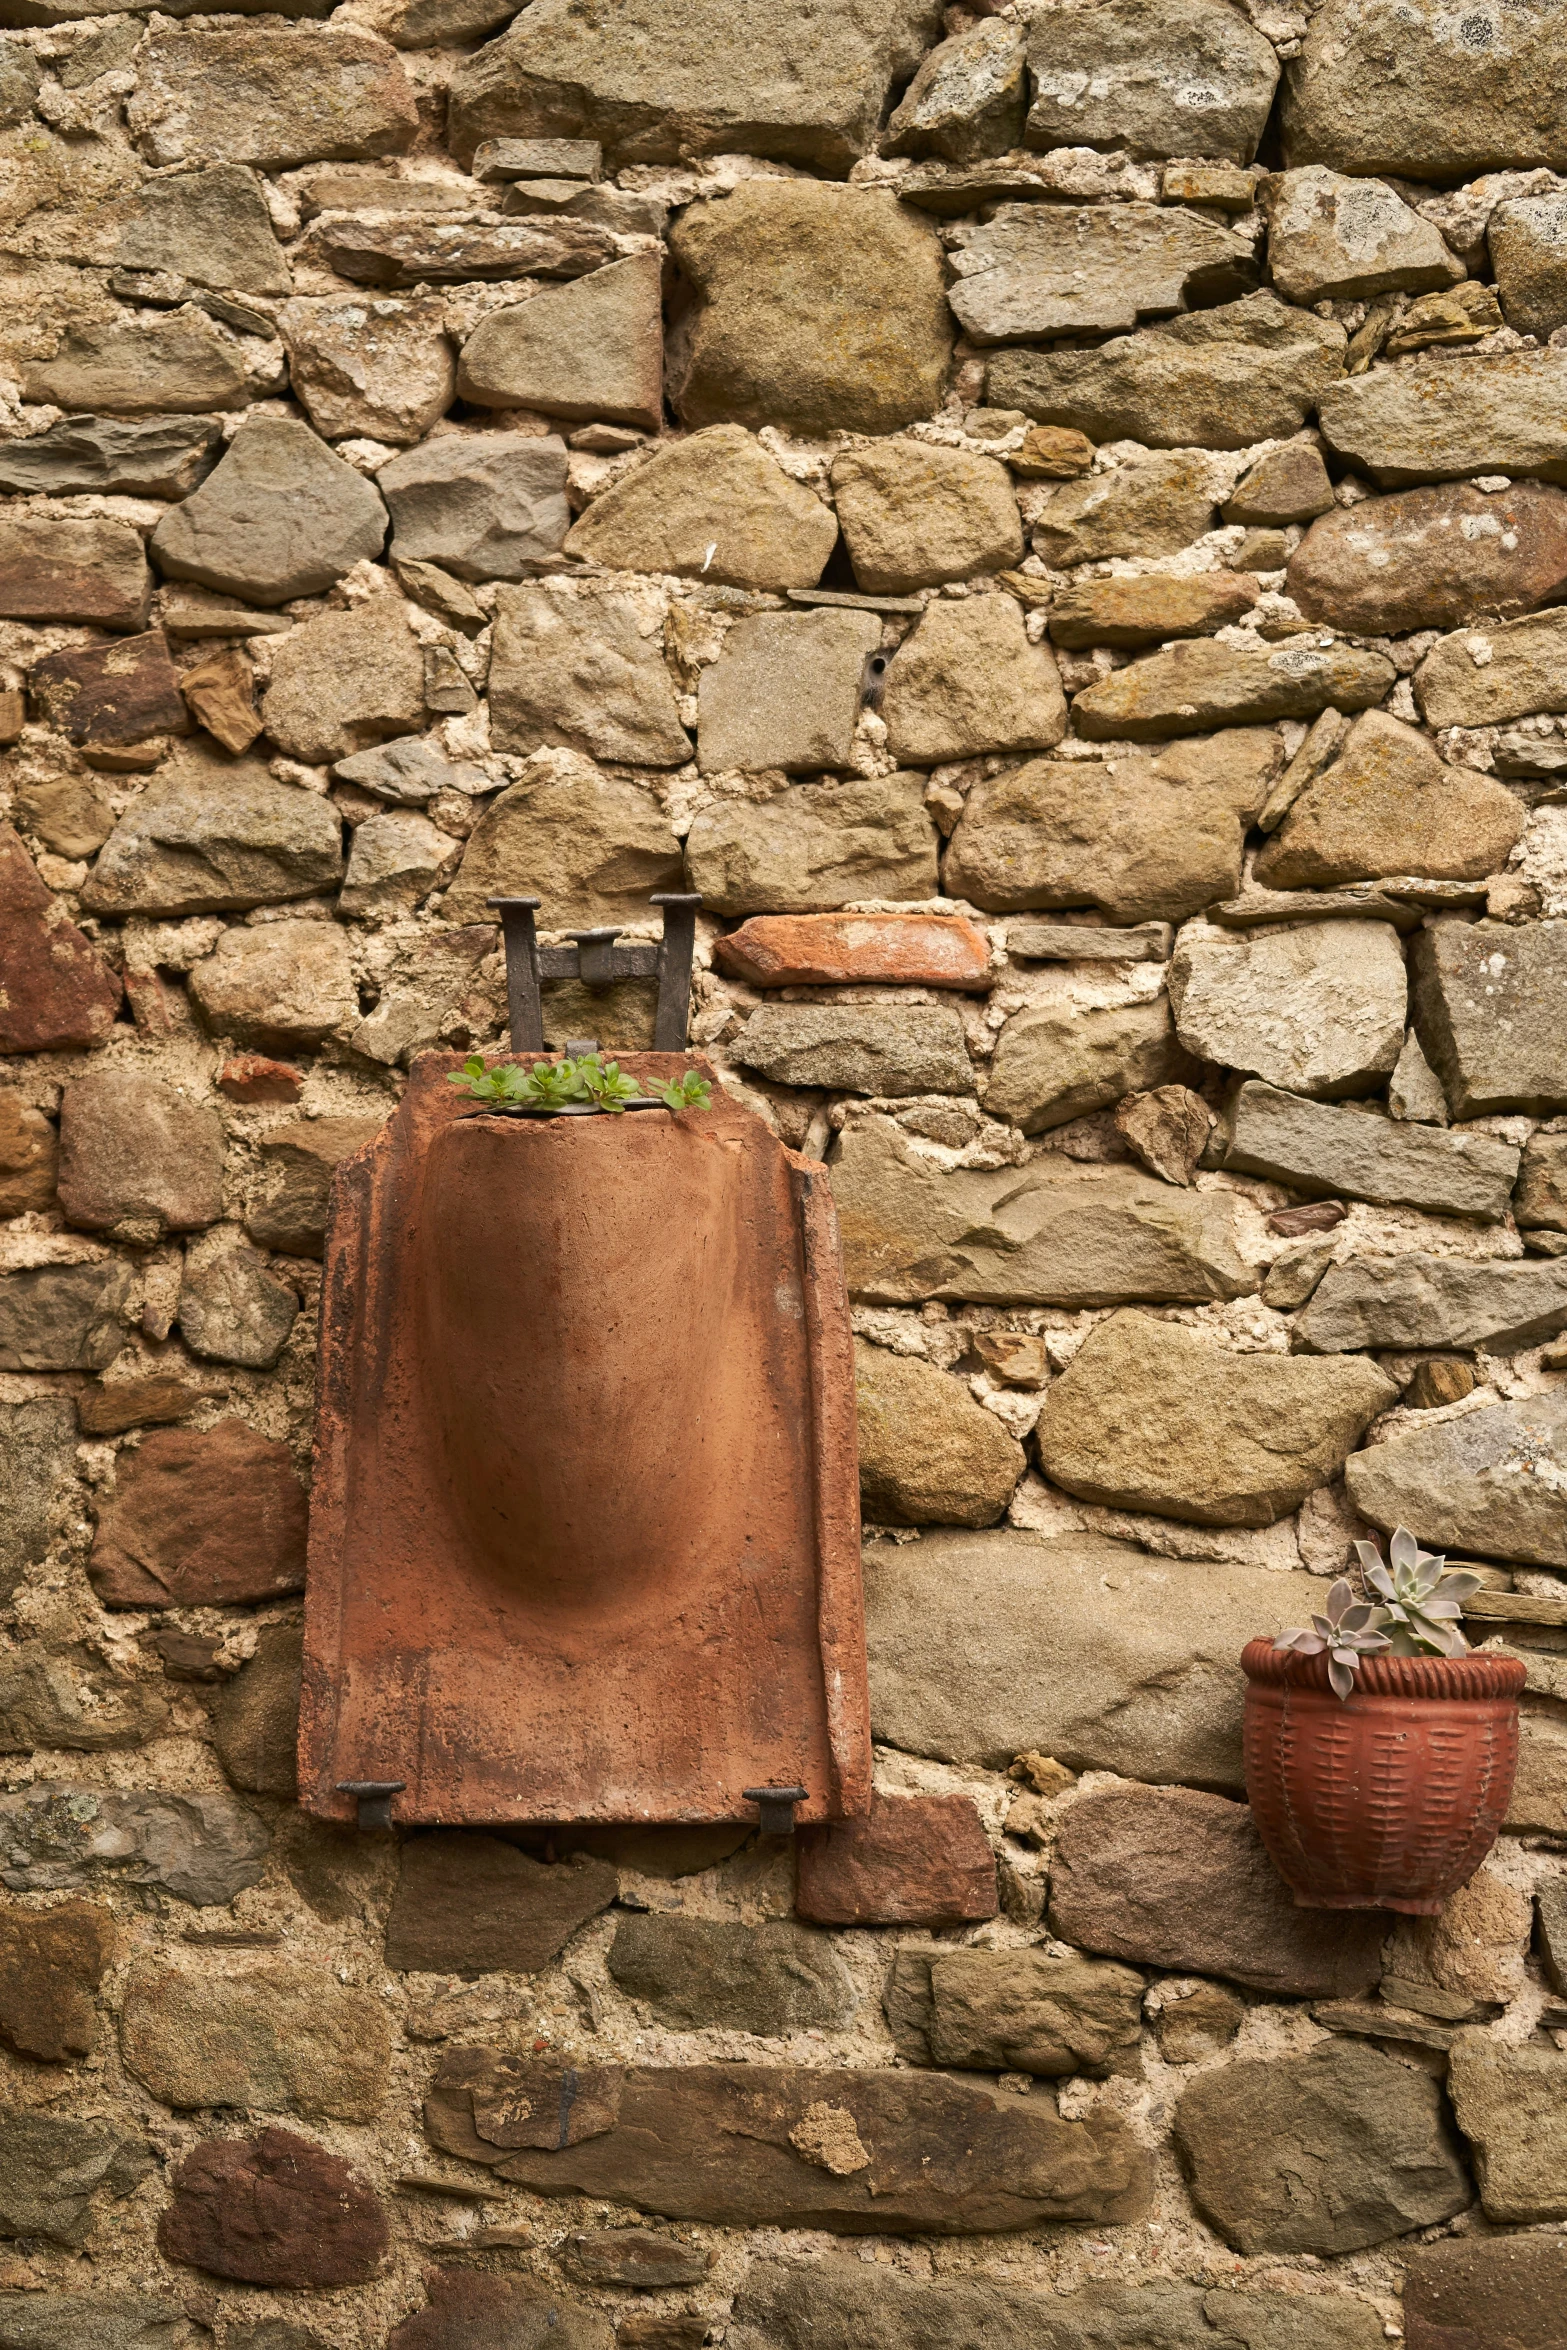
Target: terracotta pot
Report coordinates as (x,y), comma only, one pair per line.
(1389,1798)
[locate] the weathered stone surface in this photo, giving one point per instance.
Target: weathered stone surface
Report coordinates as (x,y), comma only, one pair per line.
(470,2306)
(1185,77)
(832,950)
(1022,2011)
(1488,1482)
(1389,805)
(273,2210)
(1350,1154)
(411,772)
(1196,684)
(371,252)
(286,2037)
(140,366)
(220,693)
(53,567)
(201,1520)
(929,1454)
(1509,2106)
(854,2152)
(56,990)
(471,1904)
(1474,2290)
(284,987)
(1167,1130)
(1433,558)
(668,82)
(209,226)
(1142,1677)
(1147,1417)
(967,100)
(1056,1061)
(1450,416)
(62,1317)
(95,2321)
(1011,1236)
(1540,1201)
(163,457)
(1218,379)
(280,517)
(913,516)
(1331,238)
(1317,1008)
(1418,1300)
(135,1149)
(819,308)
(313,94)
(1462,100)
(483,505)
(1034,270)
(1171,1878)
(68,813)
(715,506)
(1526,244)
(51,2168)
(820,845)
(99,695)
(37,1482)
(592,848)
(1321,2153)
(255,1721)
(1153,836)
(231,1308)
(582,670)
(1505,670)
(51,1964)
(202,1849)
(705,1973)
(886,1049)
(637,2256)
(967,681)
(915,1860)
(1138,612)
(297,1167)
(41,1692)
(1152,506)
(30,1152)
(381,367)
(590,349)
(345,681)
(785,691)
(1289,484)
(1490,1002)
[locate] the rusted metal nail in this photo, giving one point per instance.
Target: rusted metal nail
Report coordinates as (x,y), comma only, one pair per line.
(375,1799)
(776,1806)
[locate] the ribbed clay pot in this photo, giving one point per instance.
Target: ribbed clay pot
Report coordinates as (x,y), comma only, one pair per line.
(1389,1798)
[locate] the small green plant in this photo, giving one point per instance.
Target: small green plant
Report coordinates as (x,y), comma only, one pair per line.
(554,1085)
(691,1092)
(606,1084)
(1418,1601)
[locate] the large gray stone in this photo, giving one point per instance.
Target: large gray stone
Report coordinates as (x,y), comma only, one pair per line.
(1491,1481)
(1161,77)
(51,2167)
(214,835)
(1148,1417)
(814,847)
(280,517)
(1172,1878)
(231,1308)
(715,506)
(1057,1061)
(1490,1002)
(1316,1007)
(1321,1150)
(1323,2153)
(128,365)
(582,670)
(785,692)
(287,2037)
(209,226)
(483,505)
(1219,379)
(1388,805)
(94,2321)
(967,683)
(889,1049)
(593,848)
(1433,558)
(1200,682)
(346,681)
(967,100)
(271,97)
(1448,416)
(1509,2103)
(1036,270)
(197,1848)
(1044,1233)
(705,1974)
(989,1645)
(1417,1300)
(1331,238)
(1455,95)
(63,1317)
(591,349)
(156,457)
(37,1481)
(1020,2011)
(663,81)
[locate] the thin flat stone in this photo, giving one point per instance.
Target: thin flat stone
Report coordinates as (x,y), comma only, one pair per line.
(1319,1148)
(1082,942)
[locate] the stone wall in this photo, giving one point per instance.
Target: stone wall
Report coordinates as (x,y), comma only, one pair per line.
(1049,520)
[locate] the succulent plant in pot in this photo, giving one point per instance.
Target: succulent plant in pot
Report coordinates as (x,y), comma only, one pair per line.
(1380,1751)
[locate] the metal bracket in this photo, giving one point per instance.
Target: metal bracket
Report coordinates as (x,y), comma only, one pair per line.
(776,1805)
(375,1799)
(598,962)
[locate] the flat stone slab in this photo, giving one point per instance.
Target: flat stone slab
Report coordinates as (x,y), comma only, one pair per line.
(1318,1148)
(1490,1001)
(915,1860)
(1419,1300)
(1488,1482)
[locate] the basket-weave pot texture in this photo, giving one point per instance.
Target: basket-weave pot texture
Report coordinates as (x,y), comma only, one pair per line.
(1389,1798)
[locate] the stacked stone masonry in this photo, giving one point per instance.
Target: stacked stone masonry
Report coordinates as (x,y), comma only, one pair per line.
(1052,517)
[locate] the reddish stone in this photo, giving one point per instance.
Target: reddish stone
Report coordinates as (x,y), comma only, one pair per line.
(136,1150)
(56,990)
(201,1520)
(918,1860)
(119,693)
(53,568)
(273,2210)
(1487,2293)
(154,1402)
(828,950)
(29,1155)
(51,1963)
(250,1077)
(469,1904)
(469,2310)
(1318,1215)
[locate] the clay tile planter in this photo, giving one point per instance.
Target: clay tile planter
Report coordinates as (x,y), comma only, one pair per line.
(1389,1798)
(584,1532)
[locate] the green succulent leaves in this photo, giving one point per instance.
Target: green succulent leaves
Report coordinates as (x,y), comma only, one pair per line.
(1414,1611)
(555,1085)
